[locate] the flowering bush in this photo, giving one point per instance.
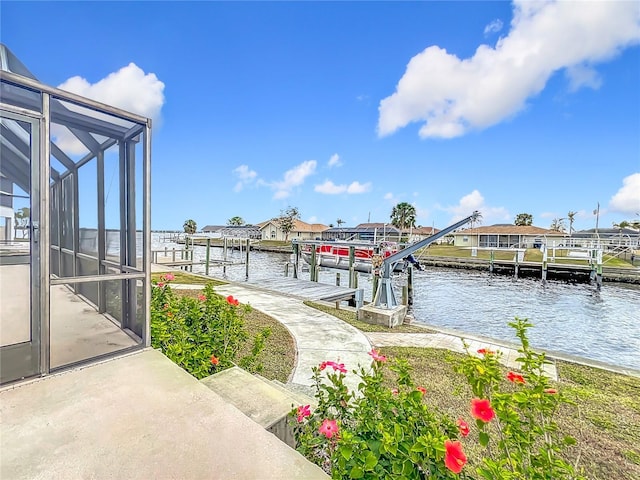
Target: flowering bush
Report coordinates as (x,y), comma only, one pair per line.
(382,432)
(204,334)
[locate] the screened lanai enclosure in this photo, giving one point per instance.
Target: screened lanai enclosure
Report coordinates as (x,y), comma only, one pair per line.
(74,227)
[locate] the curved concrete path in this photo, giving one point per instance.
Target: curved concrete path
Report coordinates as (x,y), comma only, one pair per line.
(319,336)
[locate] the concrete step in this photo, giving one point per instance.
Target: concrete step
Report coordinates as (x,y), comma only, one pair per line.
(263,401)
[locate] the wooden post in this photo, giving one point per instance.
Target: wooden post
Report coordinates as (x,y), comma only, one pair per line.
(337,279)
(491,259)
(544,264)
(599,270)
(296,259)
(207,257)
(517,265)
(224,248)
(405,295)
(352,259)
(246,258)
(313,267)
(286,269)
(410,286)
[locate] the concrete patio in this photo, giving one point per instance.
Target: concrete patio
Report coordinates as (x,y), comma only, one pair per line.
(138,416)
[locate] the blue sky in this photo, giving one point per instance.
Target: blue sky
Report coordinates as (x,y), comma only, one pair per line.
(344,109)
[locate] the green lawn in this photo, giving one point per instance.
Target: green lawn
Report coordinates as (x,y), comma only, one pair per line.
(605,418)
(531,255)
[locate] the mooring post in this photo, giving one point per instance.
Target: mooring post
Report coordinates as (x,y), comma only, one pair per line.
(599,270)
(313,267)
(246,261)
(337,279)
(491,258)
(410,286)
(296,259)
(352,259)
(224,248)
(517,266)
(405,295)
(206,265)
(544,264)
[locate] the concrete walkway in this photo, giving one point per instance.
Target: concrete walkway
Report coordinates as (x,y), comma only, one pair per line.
(453,343)
(319,336)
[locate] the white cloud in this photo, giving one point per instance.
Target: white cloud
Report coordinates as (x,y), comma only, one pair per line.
(245,176)
(475,201)
(452,95)
(334,161)
(357,187)
(330,188)
(130,89)
(583,76)
(293,178)
(627,199)
(494,27)
(391,198)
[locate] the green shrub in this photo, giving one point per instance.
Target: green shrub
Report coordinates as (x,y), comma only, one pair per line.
(203,335)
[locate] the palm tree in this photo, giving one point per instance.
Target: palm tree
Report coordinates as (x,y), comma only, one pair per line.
(403,216)
(340,222)
(236,221)
(523,219)
(190,227)
(557,225)
(571,216)
(621,225)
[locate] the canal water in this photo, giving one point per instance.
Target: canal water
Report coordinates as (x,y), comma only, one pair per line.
(568,318)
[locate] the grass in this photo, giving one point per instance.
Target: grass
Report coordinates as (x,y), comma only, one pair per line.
(349,316)
(531,255)
(186,278)
(604,418)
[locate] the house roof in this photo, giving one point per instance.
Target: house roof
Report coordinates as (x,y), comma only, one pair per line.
(298,226)
(423,230)
(503,229)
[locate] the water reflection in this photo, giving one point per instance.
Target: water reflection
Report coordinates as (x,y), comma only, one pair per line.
(569,318)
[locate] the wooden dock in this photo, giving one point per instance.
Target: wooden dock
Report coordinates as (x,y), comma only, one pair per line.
(305,289)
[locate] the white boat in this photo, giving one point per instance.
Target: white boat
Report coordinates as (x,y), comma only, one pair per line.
(336,254)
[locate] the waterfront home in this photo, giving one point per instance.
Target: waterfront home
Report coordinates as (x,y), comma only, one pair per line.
(507,236)
(371,232)
(419,233)
(271,230)
(611,237)
(233,231)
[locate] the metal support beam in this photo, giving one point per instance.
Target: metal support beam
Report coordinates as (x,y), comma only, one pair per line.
(384,293)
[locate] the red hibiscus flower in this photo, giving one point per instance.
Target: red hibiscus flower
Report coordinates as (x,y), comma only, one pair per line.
(160,284)
(551,391)
(214,360)
(329,428)
(336,366)
(454,457)
(377,357)
(515,377)
(395,391)
(463,427)
(202,298)
(486,351)
(303,412)
(232,301)
(481,409)
(422,390)
(168,277)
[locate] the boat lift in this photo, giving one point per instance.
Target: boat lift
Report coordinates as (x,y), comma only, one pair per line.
(384,294)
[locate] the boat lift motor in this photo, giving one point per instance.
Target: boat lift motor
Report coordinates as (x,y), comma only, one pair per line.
(384,294)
